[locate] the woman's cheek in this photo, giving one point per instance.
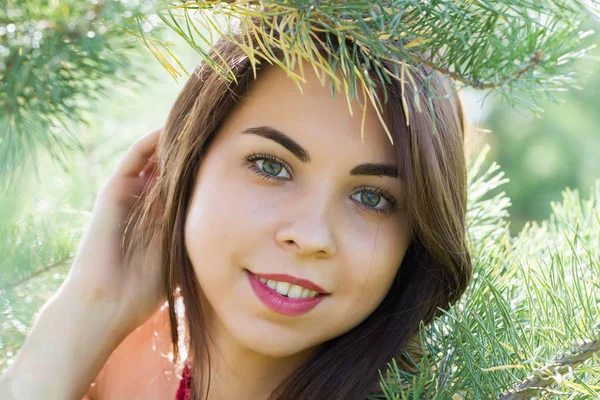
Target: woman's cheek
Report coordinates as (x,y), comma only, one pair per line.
(259,203)
(376,258)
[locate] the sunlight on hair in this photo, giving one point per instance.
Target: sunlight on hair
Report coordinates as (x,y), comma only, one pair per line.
(181,329)
(181,326)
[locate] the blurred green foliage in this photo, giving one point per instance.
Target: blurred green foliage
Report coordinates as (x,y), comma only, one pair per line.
(542,157)
(56,57)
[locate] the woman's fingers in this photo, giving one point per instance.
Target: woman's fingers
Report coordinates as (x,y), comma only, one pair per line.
(151,166)
(138,154)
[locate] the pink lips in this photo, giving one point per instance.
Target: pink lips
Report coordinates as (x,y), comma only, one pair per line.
(293,281)
(279,303)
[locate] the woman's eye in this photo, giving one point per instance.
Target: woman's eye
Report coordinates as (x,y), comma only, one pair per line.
(373,200)
(269,167)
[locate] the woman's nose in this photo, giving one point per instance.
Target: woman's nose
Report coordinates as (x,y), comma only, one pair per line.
(309,231)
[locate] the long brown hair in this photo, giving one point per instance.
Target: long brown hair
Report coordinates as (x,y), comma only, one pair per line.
(434,272)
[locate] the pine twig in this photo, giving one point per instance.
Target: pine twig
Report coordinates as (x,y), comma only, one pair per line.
(553,372)
(478,84)
(42,270)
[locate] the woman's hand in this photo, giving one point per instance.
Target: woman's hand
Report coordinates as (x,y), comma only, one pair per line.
(101,301)
(99,276)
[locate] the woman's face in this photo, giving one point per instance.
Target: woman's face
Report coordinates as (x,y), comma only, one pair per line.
(312,215)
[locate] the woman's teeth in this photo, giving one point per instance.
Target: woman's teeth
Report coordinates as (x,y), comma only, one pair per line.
(291,291)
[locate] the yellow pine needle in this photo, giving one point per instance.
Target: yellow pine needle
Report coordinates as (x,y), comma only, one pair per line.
(385,36)
(316,37)
(417,42)
(163,60)
(342,62)
(509,348)
(404,105)
(267,53)
(364,115)
(270,37)
(501,367)
(252,52)
(309,55)
(387,131)
(175,59)
(283,46)
(316,28)
(230,40)
(303,45)
(301,68)
(577,387)
(412,80)
(284,23)
(326,68)
(320,74)
(345,28)
(323,65)
(358,36)
(346,77)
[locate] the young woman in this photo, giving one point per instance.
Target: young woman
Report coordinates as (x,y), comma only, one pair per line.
(305,257)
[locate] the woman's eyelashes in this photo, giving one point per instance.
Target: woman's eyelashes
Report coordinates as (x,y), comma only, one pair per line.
(268,166)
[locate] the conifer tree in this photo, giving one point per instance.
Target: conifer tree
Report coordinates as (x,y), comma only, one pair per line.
(528,325)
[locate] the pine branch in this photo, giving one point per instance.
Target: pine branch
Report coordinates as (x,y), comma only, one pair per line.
(37,243)
(55,60)
(44,269)
(530,296)
(514,47)
(553,372)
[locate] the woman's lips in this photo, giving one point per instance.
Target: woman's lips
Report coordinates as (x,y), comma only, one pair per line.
(293,281)
(279,303)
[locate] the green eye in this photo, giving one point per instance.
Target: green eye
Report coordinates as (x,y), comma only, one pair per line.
(370,199)
(375,199)
(271,167)
(268,166)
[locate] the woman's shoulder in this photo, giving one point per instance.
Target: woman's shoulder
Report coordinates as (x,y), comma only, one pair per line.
(141,366)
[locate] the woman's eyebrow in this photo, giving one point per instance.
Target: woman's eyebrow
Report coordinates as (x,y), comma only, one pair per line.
(302,154)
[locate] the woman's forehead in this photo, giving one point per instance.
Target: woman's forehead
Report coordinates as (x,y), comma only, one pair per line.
(313,117)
